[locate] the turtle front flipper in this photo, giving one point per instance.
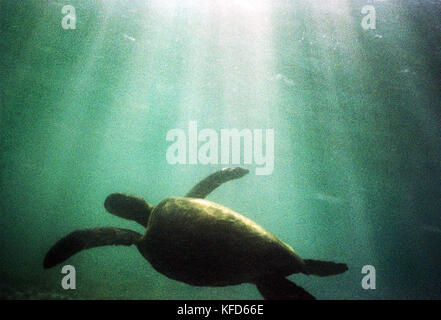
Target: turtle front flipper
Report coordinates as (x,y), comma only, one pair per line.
(324,268)
(279,288)
(214,180)
(88,238)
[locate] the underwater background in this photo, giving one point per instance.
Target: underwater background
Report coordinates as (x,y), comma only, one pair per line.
(356,115)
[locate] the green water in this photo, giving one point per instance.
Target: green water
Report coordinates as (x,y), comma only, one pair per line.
(356,117)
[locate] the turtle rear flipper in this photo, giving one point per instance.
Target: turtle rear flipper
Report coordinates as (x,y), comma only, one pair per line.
(128,207)
(85,239)
(280,288)
(324,268)
(214,180)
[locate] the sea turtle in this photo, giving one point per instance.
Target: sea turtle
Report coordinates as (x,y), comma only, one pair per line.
(200,242)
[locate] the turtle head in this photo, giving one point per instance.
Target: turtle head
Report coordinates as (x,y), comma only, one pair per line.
(128,207)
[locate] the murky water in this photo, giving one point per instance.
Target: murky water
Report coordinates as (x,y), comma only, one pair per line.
(355,112)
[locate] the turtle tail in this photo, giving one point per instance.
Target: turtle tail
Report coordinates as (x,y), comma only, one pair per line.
(85,239)
(324,268)
(280,288)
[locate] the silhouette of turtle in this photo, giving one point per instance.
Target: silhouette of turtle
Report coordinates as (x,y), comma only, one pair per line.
(200,242)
